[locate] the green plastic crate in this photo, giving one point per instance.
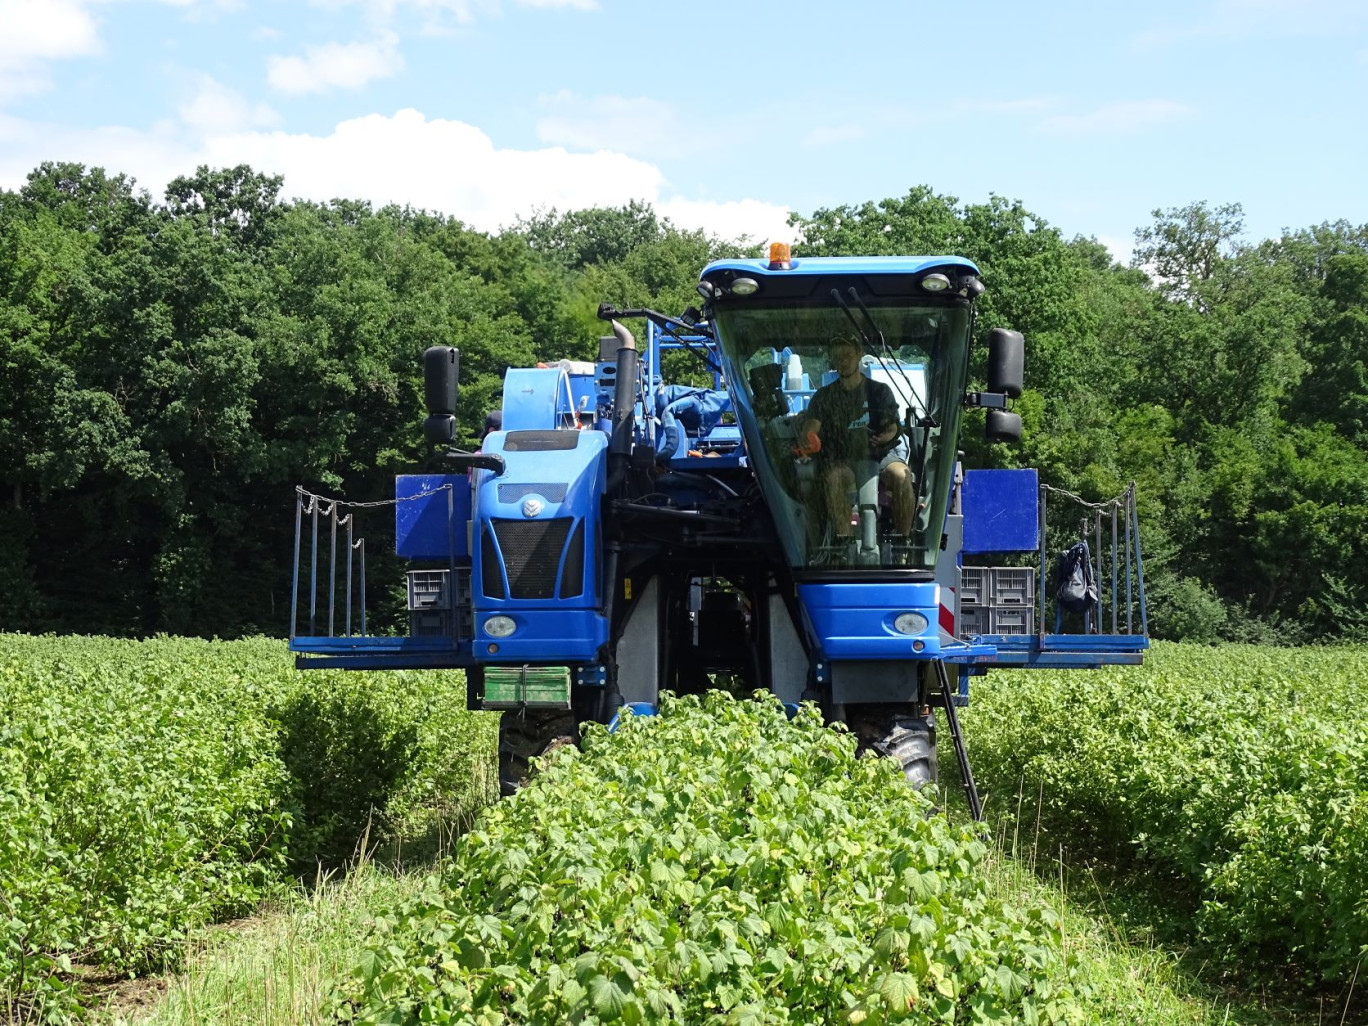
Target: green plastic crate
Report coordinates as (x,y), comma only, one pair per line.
(530,687)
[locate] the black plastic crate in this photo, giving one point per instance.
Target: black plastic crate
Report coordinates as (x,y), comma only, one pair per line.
(974,588)
(429,589)
(1013,586)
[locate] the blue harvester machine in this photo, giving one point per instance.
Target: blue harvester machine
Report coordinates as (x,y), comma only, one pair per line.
(799,524)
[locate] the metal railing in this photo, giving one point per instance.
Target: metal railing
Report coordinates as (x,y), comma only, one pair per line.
(320,507)
(1125,560)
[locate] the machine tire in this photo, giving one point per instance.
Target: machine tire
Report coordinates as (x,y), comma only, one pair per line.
(525,734)
(911,740)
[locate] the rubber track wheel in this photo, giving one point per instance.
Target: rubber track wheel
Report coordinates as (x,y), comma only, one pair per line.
(524,735)
(912,742)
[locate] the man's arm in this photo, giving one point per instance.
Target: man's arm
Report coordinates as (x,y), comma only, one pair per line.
(883,413)
(811,424)
(816,408)
(809,438)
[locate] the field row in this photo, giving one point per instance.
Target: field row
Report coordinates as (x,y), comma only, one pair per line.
(1238,774)
(719,863)
(148,788)
(715,864)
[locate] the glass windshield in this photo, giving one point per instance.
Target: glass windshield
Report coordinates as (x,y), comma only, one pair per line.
(854,445)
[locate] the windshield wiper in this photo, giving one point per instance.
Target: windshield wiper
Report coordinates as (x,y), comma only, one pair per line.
(926,420)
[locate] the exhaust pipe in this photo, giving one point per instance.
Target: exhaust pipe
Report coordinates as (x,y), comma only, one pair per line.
(624,405)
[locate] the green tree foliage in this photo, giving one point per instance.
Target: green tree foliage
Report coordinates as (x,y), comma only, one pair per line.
(582,238)
(170,371)
(1338,349)
(1185,247)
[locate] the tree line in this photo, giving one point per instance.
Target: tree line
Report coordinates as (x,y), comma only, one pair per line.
(169,371)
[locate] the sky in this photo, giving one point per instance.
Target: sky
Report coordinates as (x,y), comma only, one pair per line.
(725,116)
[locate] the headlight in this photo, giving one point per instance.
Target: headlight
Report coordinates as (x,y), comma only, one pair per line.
(910,623)
(503,626)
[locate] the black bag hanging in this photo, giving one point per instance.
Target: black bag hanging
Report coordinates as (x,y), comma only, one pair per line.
(1075,586)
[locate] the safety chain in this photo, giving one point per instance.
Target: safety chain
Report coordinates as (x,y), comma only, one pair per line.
(1105,504)
(325,505)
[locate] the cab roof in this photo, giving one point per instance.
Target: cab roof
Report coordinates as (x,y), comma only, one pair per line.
(911,265)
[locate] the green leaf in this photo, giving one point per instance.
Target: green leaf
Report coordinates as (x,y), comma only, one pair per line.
(610,996)
(899,990)
(572,993)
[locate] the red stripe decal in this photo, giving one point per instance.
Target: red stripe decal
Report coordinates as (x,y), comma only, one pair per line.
(947,619)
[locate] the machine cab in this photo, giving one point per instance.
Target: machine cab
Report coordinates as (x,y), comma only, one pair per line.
(848,378)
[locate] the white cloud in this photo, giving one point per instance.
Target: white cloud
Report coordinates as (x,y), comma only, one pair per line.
(22,82)
(1124,116)
(830,135)
(754,219)
(33,32)
(632,125)
(577,5)
(442,165)
(1021,105)
(213,109)
(336,66)
(152,157)
(463,12)
(39,30)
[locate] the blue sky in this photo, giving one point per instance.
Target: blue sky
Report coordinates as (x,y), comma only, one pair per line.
(724,115)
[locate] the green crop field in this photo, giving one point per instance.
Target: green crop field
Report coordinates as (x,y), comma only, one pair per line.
(1237,777)
(715,864)
(149,788)
(719,863)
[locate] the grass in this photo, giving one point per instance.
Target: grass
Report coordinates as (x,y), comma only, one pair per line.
(1120,982)
(275,968)
(1130,935)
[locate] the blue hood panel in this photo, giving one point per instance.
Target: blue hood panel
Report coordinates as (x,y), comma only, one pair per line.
(855,620)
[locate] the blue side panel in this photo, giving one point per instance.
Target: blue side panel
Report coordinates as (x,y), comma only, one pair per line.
(855,621)
(1070,651)
(1001,511)
(536,398)
(549,634)
(420,526)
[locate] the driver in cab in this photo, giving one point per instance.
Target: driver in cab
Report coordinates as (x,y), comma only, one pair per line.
(855,418)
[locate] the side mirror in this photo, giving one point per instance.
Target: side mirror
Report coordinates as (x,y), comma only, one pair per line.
(1002,426)
(1006,360)
(440,429)
(440,367)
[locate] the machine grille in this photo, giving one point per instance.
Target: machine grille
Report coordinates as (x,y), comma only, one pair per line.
(540,441)
(572,582)
(491,581)
(532,553)
(549,492)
